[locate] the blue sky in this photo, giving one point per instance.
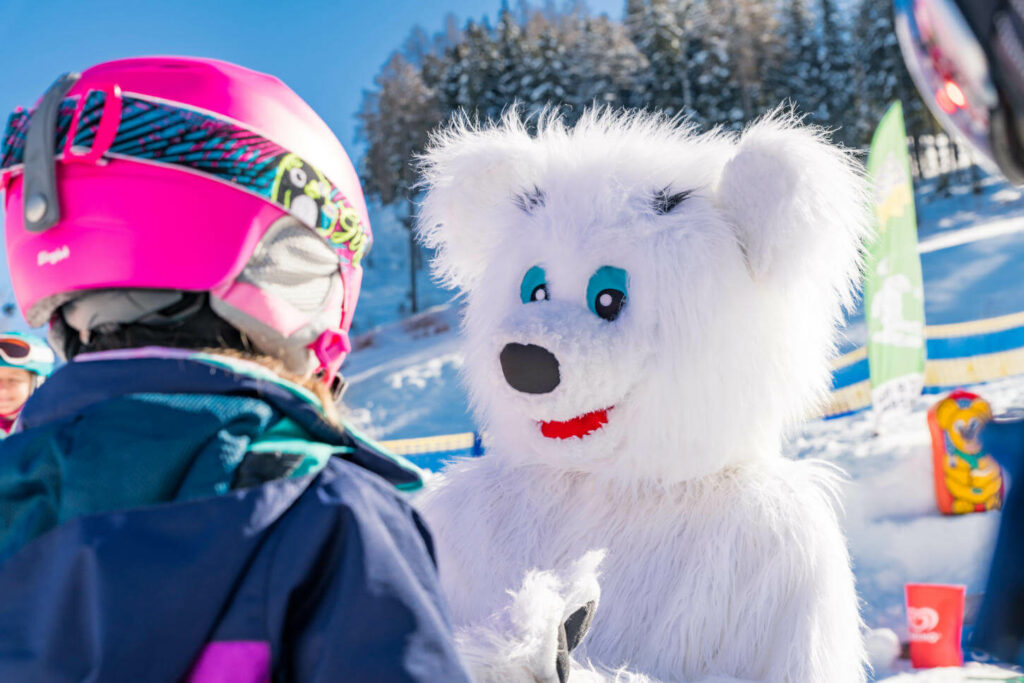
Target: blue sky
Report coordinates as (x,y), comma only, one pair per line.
(327,50)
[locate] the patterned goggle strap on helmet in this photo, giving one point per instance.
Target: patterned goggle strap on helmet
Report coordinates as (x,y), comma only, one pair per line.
(160,132)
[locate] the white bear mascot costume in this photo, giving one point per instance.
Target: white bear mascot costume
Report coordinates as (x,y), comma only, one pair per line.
(647,311)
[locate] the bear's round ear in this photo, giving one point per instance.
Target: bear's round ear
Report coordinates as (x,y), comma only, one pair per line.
(798,204)
(473,177)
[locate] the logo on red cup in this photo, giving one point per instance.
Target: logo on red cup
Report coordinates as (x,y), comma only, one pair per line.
(935,618)
(922,622)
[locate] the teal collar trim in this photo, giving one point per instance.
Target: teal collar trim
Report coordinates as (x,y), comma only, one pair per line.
(369,444)
(288,436)
(307,431)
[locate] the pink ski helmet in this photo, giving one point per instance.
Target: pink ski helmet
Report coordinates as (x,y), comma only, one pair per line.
(172,173)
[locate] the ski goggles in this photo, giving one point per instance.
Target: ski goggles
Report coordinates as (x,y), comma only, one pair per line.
(108,123)
(15,351)
(954,76)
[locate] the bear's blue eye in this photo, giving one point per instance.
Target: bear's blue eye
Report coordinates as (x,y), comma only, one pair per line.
(534,286)
(606,292)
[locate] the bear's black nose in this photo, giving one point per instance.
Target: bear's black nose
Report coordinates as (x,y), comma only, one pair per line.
(529,368)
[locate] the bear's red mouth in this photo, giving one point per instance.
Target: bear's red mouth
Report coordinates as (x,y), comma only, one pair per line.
(577,427)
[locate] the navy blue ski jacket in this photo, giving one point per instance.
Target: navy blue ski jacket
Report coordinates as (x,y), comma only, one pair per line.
(194,519)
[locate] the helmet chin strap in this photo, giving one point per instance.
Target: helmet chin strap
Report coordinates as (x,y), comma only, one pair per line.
(330,349)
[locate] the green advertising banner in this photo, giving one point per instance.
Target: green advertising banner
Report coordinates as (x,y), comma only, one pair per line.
(893,289)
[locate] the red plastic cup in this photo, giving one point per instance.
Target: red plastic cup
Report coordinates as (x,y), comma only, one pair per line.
(935,619)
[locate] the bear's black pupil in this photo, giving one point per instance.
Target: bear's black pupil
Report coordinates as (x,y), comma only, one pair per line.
(540,293)
(610,310)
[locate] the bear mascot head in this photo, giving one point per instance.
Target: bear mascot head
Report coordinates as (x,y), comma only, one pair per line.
(643,302)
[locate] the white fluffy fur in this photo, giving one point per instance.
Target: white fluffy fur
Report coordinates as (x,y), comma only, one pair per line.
(519,641)
(724,561)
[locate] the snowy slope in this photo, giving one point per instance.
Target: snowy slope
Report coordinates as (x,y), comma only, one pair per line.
(384,297)
(972,673)
(971,249)
(403,378)
(895,532)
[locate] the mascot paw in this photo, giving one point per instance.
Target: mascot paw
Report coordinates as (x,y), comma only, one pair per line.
(533,636)
(570,634)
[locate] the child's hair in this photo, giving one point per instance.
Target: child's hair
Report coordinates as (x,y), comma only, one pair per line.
(187,323)
(331,408)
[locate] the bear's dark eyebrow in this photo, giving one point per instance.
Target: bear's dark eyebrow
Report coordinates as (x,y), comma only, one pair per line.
(530,200)
(664,201)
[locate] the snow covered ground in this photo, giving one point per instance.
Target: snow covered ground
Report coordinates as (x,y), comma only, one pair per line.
(895,532)
(403,384)
(972,248)
(403,378)
(972,673)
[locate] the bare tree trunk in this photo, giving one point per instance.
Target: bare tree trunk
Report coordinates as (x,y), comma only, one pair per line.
(975,174)
(917,154)
(944,184)
(915,160)
(915,165)
(414,304)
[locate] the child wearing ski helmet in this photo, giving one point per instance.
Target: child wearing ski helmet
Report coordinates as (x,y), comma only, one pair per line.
(25,361)
(180,502)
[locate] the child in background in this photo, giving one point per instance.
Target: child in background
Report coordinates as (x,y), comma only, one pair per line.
(25,361)
(181,501)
